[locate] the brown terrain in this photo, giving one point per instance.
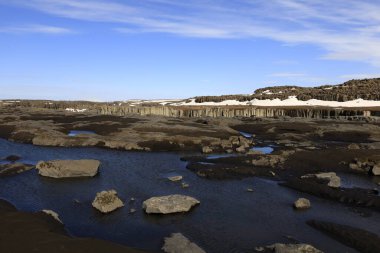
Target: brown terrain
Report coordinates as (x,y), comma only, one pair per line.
(302,146)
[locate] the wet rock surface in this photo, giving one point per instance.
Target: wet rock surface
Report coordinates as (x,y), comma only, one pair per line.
(68,168)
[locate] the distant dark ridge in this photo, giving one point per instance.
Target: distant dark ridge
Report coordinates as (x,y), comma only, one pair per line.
(368,89)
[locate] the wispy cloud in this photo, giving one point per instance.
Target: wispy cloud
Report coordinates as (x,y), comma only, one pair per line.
(44,29)
(359,76)
(345,29)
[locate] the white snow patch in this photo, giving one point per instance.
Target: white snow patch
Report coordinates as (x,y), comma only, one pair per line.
(75,110)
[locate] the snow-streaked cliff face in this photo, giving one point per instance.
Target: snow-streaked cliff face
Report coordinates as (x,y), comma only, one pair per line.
(290,101)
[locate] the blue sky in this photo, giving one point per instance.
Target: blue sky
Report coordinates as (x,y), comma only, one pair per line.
(117,50)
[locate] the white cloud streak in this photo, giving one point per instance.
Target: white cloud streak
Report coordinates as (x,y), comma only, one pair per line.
(345,29)
(39,29)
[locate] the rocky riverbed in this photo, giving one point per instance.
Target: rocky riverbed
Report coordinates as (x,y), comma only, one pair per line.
(241,190)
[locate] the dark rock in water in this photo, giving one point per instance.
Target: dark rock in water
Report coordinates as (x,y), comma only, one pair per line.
(12,158)
(355,196)
(356,238)
(14,168)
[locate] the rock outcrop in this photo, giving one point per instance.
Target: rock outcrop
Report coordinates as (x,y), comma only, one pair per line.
(68,168)
(107,201)
(169,204)
(177,243)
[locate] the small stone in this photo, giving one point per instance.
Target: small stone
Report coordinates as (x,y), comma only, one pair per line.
(353,146)
(132,210)
(302,203)
(206,150)
(272,173)
(249,190)
(229,151)
(259,249)
(107,201)
(185,185)
(175,178)
(376,169)
(132,199)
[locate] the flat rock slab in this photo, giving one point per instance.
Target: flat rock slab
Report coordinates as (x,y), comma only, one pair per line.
(177,243)
(68,168)
(169,204)
(107,201)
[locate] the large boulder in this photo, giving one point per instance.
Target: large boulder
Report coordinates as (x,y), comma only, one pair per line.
(169,204)
(107,201)
(177,243)
(68,168)
(293,248)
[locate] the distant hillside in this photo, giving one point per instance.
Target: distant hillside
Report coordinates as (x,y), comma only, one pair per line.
(368,89)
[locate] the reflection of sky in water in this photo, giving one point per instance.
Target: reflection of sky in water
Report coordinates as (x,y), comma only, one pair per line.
(246,135)
(265,150)
(77,132)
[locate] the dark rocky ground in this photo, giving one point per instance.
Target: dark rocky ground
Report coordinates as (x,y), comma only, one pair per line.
(301,146)
(38,232)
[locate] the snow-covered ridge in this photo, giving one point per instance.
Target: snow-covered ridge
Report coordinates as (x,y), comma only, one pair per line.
(290,101)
